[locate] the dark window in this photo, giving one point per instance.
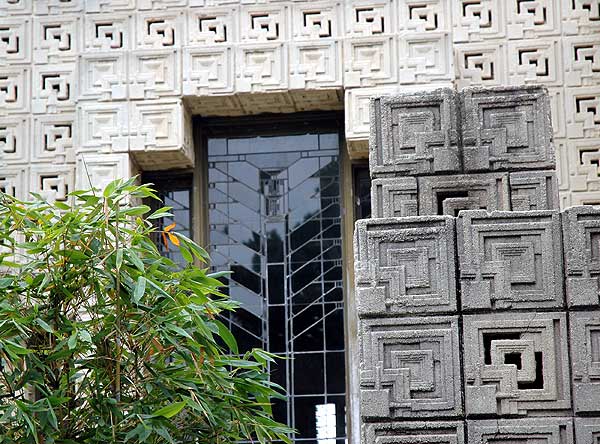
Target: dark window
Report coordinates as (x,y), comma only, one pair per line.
(274,221)
(175,190)
(362,191)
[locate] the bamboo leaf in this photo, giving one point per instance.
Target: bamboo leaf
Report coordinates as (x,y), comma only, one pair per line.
(139,290)
(72,342)
(227,337)
(170,410)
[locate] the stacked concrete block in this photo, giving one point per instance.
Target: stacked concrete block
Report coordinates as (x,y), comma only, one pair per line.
(467,255)
(488,149)
(405,265)
(510,259)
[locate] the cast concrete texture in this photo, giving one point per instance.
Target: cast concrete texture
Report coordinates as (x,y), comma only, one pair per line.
(581,226)
(405,265)
(477,185)
(410,367)
(585,353)
(510,431)
(510,259)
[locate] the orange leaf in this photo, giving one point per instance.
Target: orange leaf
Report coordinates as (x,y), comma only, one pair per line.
(173,239)
(170,227)
(165,241)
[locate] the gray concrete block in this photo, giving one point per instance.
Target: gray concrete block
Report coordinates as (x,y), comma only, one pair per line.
(534,190)
(423,432)
(414,134)
(409,368)
(516,364)
(581,234)
(394,197)
(521,431)
(510,259)
(405,265)
(506,128)
(585,355)
(587,430)
(448,194)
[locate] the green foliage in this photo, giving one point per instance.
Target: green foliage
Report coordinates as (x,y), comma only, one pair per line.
(104,340)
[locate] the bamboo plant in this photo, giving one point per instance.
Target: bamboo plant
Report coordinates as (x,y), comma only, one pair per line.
(104,340)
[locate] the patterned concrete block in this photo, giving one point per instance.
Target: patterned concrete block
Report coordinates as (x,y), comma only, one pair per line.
(533,20)
(154,73)
(522,431)
(370,61)
(585,353)
(316,64)
(481,64)
(425,57)
(534,190)
(583,112)
(103,76)
(14,181)
(414,134)
(581,163)
(405,265)
(108,32)
(450,194)
(98,170)
(506,128)
(56,38)
(394,197)
(15,90)
(54,137)
(582,60)
(424,16)
(478,20)
(15,41)
(317,20)
(510,259)
(103,127)
(15,139)
(410,368)
(535,61)
(516,364)
(423,432)
(587,430)
(52,182)
(581,234)
(56,88)
(160,134)
(262,67)
(208,70)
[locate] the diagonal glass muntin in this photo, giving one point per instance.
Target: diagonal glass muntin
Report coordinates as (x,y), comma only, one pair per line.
(274,220)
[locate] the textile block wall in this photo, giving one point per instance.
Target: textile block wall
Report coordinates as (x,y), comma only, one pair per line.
(477,299)
(114,82)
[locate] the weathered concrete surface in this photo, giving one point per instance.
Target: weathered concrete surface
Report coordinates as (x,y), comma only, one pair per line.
(478,301)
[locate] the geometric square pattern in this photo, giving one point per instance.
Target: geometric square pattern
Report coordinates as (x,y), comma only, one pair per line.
(533,190)
(423,432)
(522,431)
(587,430)
(450,194)
(394,197)
(510,259)
(405,265)
(581,228)
(506,127)
(414,134)
(585,354)
(515,364)
(410,368)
